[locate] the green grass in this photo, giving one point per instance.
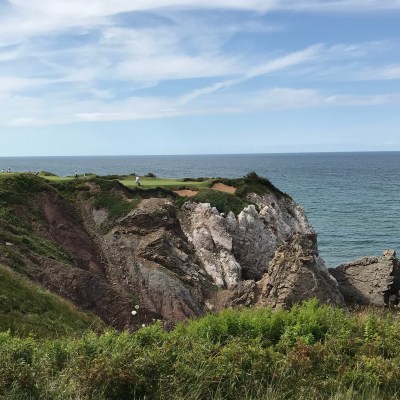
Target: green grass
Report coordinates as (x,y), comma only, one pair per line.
(172,184)
(129,181)
(223,202)
(26,309)
(55,178)
(20,209)
(311,352)
(249,183)
(115,205)
(252,183)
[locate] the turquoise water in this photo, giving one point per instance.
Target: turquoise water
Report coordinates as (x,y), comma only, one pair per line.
(351,199)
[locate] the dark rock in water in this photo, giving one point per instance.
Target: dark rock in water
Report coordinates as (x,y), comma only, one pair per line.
(370,280)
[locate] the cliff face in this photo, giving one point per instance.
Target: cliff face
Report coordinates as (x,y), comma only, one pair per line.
(173,261)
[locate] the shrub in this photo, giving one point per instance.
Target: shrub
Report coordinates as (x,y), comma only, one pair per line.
(311,352)
(223,202)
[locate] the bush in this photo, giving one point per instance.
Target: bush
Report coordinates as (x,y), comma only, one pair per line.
(309,352)
(223,202)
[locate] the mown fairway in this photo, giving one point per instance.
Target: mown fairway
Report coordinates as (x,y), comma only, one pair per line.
(129,181)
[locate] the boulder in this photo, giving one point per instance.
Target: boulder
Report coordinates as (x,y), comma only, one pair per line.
(297,273)
(370,280)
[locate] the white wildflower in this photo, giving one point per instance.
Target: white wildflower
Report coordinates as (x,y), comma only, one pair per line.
(134,312)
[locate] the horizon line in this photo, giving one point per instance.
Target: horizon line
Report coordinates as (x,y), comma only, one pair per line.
(204,154)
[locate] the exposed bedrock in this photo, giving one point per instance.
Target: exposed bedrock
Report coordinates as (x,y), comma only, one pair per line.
(180,263)
(295,273)
(370,280)
(174,262)
(232,249)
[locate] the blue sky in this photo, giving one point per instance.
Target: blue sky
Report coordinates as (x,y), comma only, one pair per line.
(101,77)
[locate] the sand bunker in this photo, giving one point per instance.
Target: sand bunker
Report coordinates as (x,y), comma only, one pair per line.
(224,188)
(186,192)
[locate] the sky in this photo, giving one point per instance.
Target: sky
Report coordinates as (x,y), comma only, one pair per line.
(126,77)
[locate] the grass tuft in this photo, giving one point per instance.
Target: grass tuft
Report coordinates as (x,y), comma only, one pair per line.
(312,352)
(27,309)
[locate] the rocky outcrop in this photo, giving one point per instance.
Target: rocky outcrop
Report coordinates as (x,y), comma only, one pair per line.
(173,262)
(370,280)
(208,232)
(151,258)
(297,272)
(232,249)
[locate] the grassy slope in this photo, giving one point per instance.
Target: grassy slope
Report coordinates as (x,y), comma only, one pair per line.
(19,210)
(27,309)
(310,352)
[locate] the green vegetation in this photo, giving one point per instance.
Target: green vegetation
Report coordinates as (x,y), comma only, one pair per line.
(173,184)
(17,189)
(19,210)
(223,202)
(115,205)
(310,352)
(27,309)
(46,173)
(252,183)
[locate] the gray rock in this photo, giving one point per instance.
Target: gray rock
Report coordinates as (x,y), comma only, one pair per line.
(370,280)
(297,273)
(210,235)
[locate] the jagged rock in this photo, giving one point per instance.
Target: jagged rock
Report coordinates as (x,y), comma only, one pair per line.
(155,260)
(174,263)
(212,242)
(370,280)
(234,248)
(255,243)
(297,273)
(243,294)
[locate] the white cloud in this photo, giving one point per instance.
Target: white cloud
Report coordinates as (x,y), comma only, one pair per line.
(57,111)
(256,71)
(386,72)
(170,67)
(359,6)
(26,18)
(371,100)
(76,61)
(10,84)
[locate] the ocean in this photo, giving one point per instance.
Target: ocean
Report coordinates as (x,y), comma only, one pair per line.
(351,199)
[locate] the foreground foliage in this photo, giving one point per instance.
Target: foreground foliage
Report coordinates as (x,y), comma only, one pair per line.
(309,352)
(26,308)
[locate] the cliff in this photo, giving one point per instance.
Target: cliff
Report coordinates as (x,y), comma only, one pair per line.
(112,250)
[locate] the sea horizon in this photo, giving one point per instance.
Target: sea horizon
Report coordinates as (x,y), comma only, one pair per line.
(204,154)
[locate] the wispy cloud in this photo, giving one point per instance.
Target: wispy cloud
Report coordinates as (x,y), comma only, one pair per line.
(64,61)
(385,72)
(142,108)
(24,18)
(259,70)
